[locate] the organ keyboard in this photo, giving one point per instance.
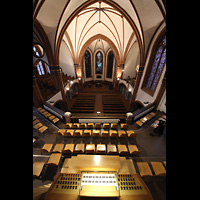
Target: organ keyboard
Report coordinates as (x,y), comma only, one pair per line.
(94,183)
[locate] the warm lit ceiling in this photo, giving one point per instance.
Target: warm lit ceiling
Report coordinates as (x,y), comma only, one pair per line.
(86,18)
(99,18)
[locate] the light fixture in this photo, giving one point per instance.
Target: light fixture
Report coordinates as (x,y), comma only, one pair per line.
(129,89)
(67,89)
(98,112)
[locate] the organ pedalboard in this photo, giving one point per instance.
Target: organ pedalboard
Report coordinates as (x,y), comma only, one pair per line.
(74,186)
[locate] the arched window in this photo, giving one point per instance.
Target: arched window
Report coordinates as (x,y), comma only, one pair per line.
(87,64)
(99,63)
(43,68)
(110,64)
(155,67)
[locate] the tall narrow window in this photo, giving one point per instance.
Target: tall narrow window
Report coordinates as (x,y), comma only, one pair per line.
(87,64)
(40,68)
(155,68)
(110,64)
(99,62)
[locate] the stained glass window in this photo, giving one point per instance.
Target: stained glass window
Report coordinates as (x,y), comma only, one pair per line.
(110,64)
(157,66)
(87,64)
(99,63)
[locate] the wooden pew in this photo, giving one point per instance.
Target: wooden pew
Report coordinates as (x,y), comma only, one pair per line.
(95,133)
(86,133)
(122,149)
(104,133)
(144,170)
(58,148)
(112,149)
(122,133)
(54,159)
(79,148)
(78,133)
(69,148)
(37,168)
(158,169)
(131,133)
(113,133)
(101,148)
(90,148)
(46,148)
(133,149)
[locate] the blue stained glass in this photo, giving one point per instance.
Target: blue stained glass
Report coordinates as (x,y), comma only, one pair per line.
(164,40)
(99,63)
(157,66)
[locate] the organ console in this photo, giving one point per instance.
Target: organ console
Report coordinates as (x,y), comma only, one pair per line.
(94,176)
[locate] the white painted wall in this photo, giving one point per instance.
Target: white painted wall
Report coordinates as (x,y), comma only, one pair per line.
(131,62)
(66,61)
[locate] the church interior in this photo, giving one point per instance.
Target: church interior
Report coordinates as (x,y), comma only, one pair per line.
(99,99)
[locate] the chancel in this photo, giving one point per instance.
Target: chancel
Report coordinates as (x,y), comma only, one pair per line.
(99,92)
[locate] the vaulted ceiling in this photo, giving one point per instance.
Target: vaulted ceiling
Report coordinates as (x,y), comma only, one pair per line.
(80,22)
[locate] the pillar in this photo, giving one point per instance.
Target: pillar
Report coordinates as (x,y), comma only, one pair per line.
(137,83)
(129,117)
(78,70)
(57,74)
(161,91)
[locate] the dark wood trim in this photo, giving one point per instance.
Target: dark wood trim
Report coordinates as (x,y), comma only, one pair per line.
(46,43)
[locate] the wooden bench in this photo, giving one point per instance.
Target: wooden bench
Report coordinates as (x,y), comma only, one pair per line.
(97,125)
(82,125)
(68,125)
(54,159)
(78,133)
(112,149)
(90,148)
(104,133)
(101,148)
(106,125)
(133,149)
(95,133)
(131,133)
(90,125)
(58,148)
(79,148)
(75,125)
(37,168)
(113,133)
(46,148)
(158,169)
(122,133)
(69,132)
(124,126)
(122,149)
(144,169)
(69,148)
(114,126)
(86,133)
